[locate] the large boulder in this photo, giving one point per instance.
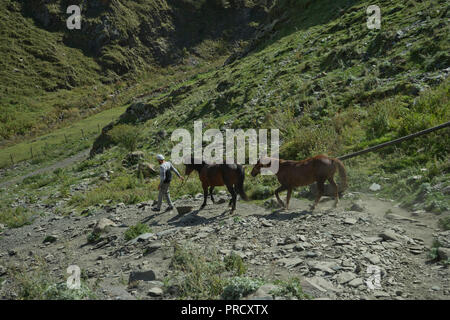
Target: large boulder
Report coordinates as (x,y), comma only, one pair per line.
(103,225)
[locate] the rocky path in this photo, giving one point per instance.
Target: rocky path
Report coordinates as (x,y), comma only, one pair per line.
(331,250)
(60,164)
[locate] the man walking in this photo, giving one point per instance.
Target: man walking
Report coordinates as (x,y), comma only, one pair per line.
(165,175)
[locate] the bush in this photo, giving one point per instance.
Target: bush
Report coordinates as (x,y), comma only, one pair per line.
(40,285)
(93,237)
(16,217)
(202,276)
(239,287)
(234,262)
(444,223)
(125,135)
(136,230)
(291,289)
(311,141)
(261,192)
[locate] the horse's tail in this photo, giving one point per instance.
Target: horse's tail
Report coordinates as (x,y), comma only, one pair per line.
(240,184)
(342,173)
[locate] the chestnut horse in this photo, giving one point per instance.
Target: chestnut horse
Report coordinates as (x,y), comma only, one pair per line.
(292,174)
(215,175)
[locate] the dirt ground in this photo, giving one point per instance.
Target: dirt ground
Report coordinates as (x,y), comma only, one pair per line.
(330,250)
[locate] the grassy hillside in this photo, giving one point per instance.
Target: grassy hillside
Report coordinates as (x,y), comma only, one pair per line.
(320,76)
(330,85)
(52,76)
(324,73)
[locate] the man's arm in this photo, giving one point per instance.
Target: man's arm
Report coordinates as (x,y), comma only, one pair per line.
(175,170)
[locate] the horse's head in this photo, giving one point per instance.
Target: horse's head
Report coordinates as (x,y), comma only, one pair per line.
(257,168)
(189,169)
(262,163)
(191,166)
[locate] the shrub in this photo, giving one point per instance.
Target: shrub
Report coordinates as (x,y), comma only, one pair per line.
(16,217)
(311,141)
(136,230)
(291,289)
(125,135)
(234,262)
(239,287)
(433,254)
(39,285)
(444,223)
(202,274)
(261,192)
(93,237)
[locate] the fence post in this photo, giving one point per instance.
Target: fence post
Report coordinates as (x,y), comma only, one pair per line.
(82,133)
(12,160)
(31,150)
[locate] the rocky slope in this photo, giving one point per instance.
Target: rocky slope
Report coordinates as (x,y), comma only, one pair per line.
(328,250)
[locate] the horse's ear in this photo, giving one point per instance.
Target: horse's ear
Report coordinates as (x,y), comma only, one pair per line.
(265,165)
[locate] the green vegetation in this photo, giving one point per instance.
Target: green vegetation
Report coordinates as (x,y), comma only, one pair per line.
(239,287)
(208,276)
(52,76)
(94,237)
(444,223)
(136,230)
(126,136)
(234,262)
(16,217)
(433,254)
(331,86)
(201,274)
(54,146)
(39,285)
(290,288)
(326,81)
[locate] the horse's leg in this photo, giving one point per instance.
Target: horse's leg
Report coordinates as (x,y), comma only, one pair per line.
(233,208)
(211,189)
(205,196)
(280,189)
(288,197)
(233,197)
(320,192)
(336,193)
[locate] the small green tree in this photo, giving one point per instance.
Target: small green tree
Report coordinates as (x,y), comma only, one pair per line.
(126,136)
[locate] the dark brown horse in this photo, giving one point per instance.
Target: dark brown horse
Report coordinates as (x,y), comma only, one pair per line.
(292,174)
(215,175)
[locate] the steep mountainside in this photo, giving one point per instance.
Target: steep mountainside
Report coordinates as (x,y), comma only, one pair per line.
(310,68)
(52,74)
(318,73)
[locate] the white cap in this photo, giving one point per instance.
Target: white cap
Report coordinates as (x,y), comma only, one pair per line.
(160,157)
